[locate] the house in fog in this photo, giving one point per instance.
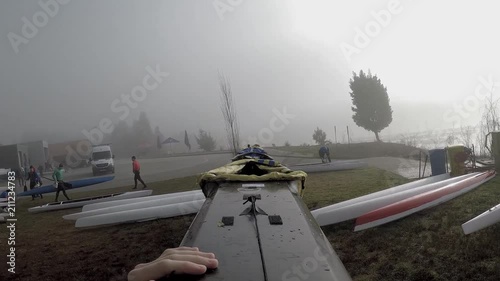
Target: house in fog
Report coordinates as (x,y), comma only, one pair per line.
(14,156)
(38,152)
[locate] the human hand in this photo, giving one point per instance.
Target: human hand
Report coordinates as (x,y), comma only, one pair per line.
(182,260)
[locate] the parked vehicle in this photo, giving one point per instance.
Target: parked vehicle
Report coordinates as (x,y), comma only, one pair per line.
(102,159)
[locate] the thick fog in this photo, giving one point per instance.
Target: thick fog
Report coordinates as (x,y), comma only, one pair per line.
(66,66)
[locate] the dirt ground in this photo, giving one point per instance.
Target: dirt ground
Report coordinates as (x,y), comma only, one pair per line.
(426,246)
(50,248)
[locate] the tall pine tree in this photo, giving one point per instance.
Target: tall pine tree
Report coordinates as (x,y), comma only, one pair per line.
(370,101)
(143,133)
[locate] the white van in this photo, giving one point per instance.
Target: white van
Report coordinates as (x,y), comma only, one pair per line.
(102,159)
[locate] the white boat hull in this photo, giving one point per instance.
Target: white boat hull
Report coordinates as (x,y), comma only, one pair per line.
(420,202)
(77,203)
(138,215)
(484,220)
(387,191)
(327,215)
(4,217)
(137,205)
(95,206)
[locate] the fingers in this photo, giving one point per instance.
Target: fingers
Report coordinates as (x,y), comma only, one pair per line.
(186,251)
(182,260)
(141,265)
(206,259)
(165,267)
(179,249)
(207,262)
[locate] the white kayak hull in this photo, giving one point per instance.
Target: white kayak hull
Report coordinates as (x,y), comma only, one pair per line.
(327,215)
(138,215)
(84,201)
(95,206)
(4,217)
(420,202)
(490,217)
(388,191)
(138,205)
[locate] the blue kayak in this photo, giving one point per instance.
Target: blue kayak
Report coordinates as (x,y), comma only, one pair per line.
(69,185)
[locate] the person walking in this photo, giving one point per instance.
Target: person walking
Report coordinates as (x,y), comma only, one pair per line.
(40,170)
(34,179)
(48,166)
(324,154)
(20,177)
(59,183)
(136,169)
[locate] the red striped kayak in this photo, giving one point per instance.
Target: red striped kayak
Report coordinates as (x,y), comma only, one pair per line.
(420,202)
(330,215)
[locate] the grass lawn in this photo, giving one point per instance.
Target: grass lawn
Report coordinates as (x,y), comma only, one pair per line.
(428,245)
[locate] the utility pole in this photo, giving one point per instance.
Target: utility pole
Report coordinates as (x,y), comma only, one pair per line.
(348,137)
(335,130)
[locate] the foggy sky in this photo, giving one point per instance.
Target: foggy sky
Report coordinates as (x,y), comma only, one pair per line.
(276,54)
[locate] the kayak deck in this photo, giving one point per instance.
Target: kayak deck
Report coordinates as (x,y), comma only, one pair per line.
(265,246)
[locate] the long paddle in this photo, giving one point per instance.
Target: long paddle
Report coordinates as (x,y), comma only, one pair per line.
(47,178)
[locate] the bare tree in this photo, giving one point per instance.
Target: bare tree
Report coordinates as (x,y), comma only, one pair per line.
(409,140)
(229,113)
(437,139)
(450,139)
(490,121)
(465,135)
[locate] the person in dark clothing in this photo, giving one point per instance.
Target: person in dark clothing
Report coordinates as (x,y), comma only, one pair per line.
(40,170)
(20,177)
(58,179)
(324,154)
(34,179)
(136,169)
(48,166)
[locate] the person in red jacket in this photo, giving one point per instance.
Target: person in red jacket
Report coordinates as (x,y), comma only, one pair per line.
(136,169)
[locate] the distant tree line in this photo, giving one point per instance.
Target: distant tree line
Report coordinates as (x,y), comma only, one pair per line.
(137,138)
